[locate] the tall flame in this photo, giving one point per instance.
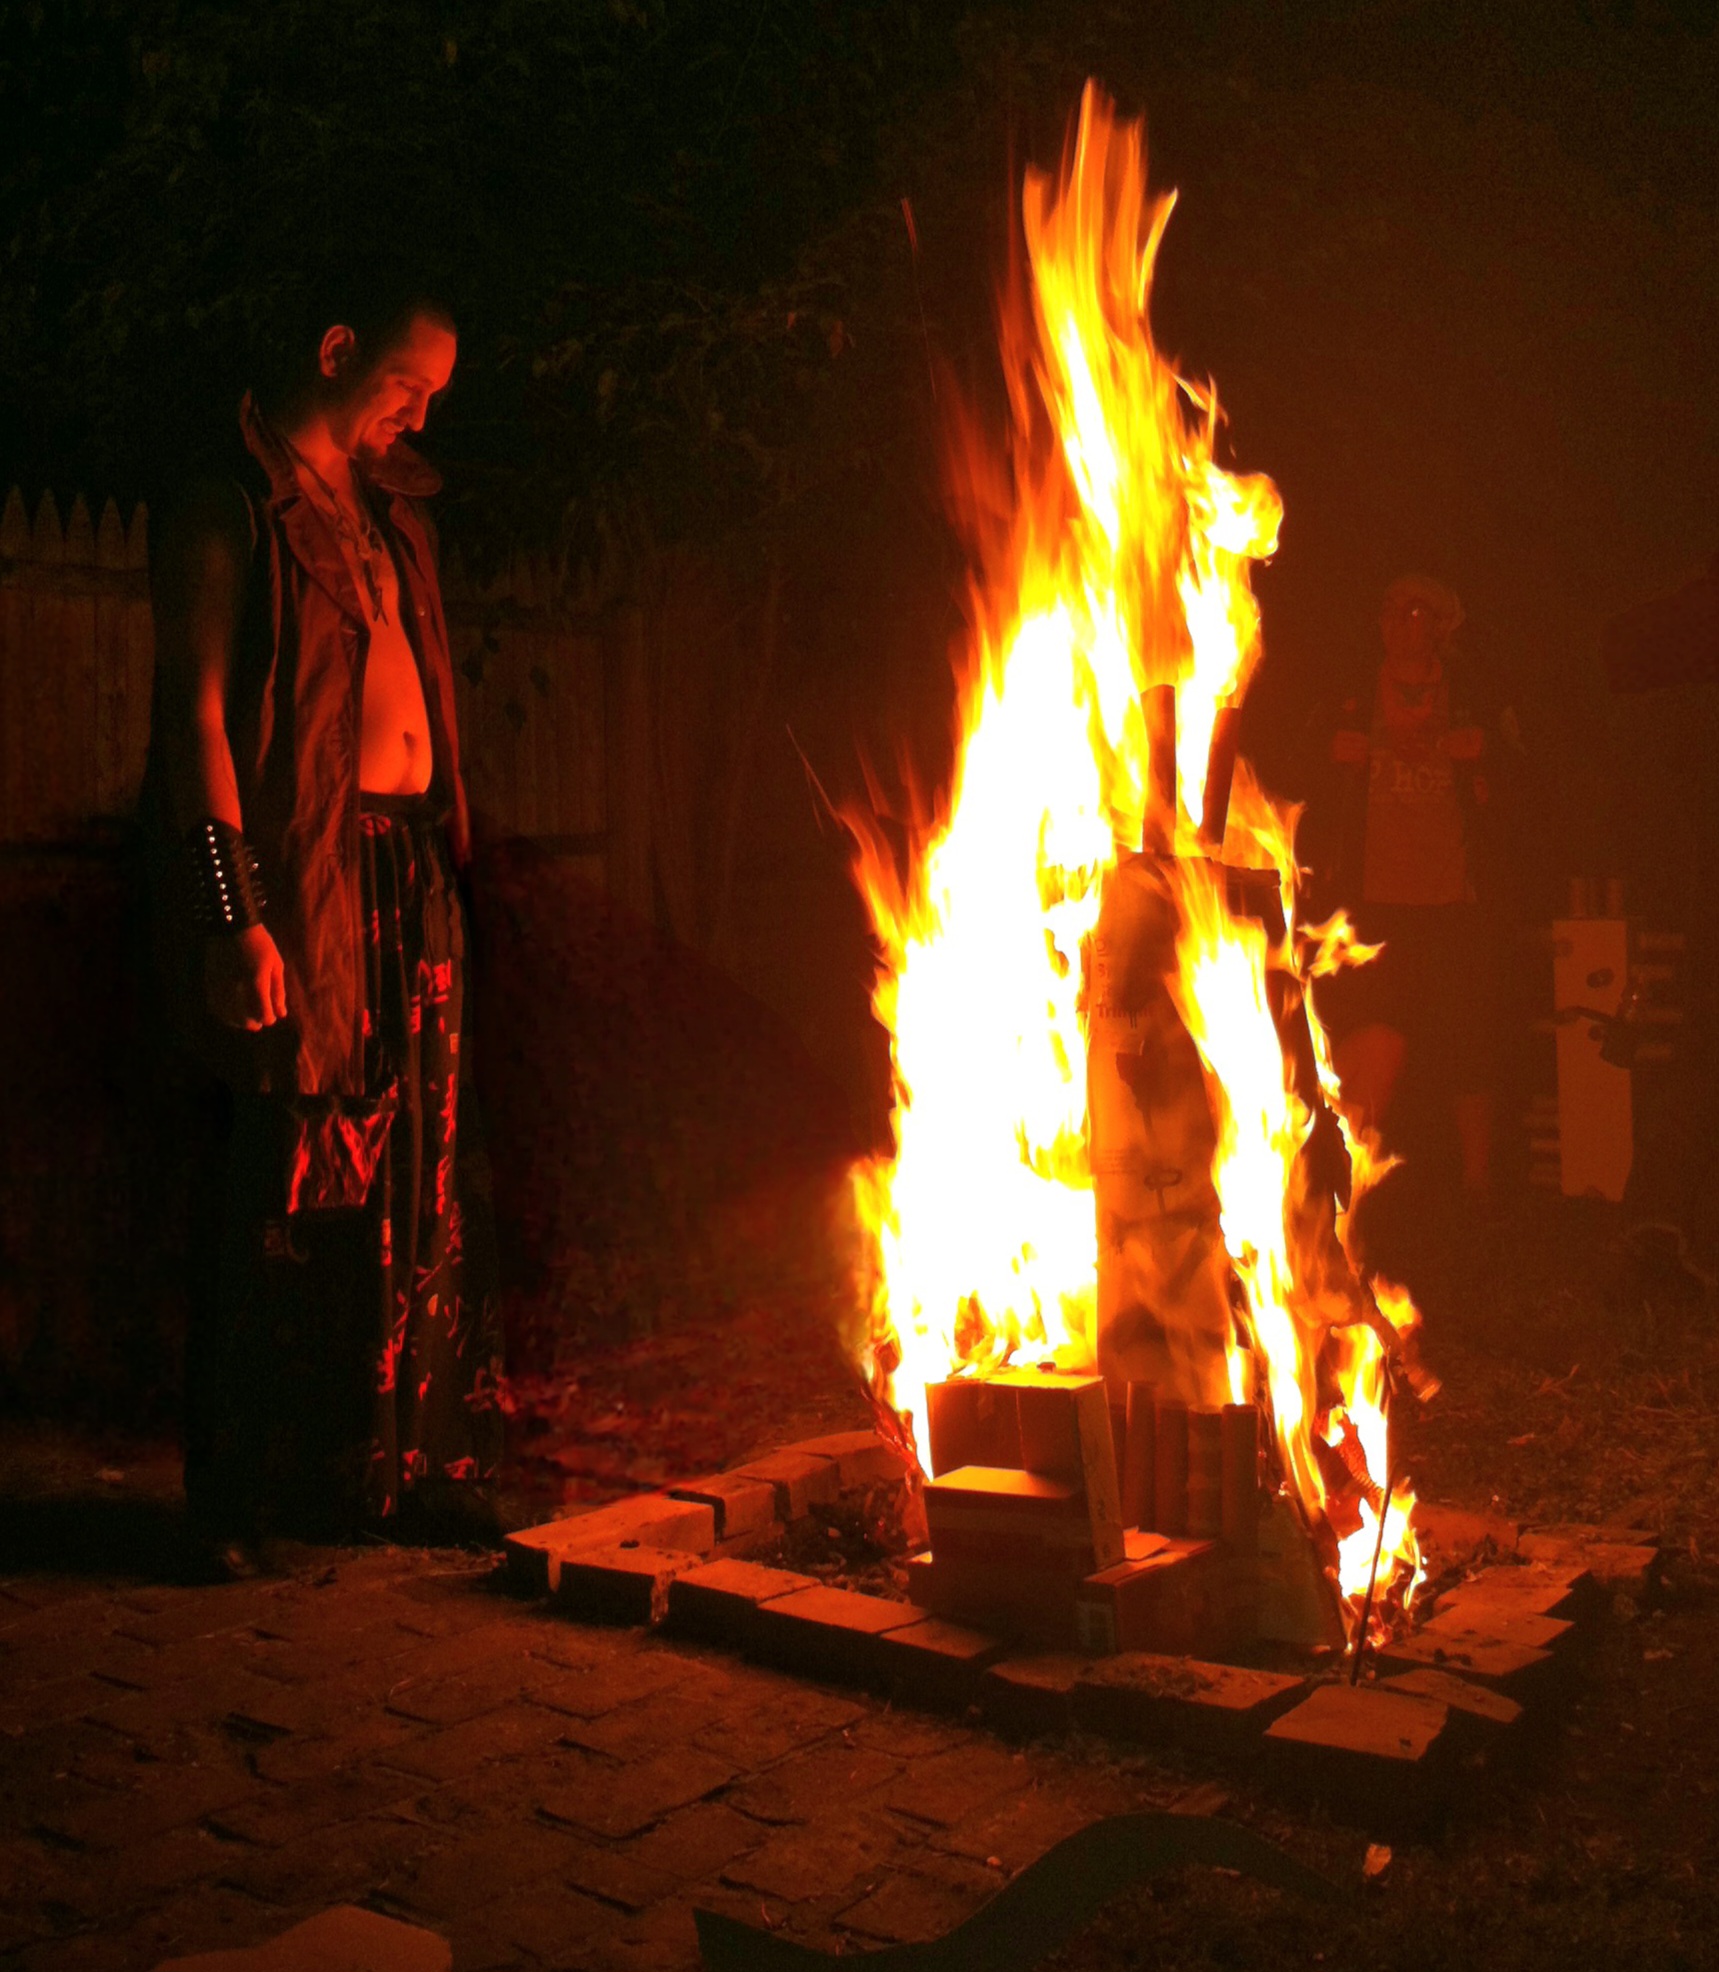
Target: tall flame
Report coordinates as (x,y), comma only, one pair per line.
(1121,565)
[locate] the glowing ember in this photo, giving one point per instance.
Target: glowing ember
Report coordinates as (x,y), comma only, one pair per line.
(1115,633)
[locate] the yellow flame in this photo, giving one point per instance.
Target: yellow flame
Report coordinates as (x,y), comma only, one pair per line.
(1123,564)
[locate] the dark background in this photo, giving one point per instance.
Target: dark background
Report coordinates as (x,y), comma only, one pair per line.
(1452,269)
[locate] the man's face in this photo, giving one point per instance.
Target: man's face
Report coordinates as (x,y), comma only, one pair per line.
(391,396)
(1415,638)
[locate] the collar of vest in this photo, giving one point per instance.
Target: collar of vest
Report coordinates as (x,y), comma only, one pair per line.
(400,470)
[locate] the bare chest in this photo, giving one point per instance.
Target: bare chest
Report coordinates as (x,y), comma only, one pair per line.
(395,754)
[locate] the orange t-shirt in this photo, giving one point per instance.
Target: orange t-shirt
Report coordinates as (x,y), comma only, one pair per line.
(1416,848)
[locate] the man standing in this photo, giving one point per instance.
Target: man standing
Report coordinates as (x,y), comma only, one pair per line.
(1414,784)
(308,820)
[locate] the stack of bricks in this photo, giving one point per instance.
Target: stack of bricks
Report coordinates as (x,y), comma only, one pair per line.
(1055,1517)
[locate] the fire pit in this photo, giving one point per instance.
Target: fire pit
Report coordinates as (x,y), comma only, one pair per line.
(704,1562)
(1133,1386)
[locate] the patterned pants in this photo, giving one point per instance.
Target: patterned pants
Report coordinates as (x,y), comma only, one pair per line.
(344,1367)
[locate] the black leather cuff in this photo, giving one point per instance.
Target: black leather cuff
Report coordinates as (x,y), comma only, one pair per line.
(226,891)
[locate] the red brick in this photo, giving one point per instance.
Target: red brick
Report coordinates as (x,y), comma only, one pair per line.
(170,1798)
(588,1690)
(802,1787)
(720,1600)
(53,1702)
(1538,1589)
(791,1716)
(1517,1669)
(1144,1696)
(1615,1533)
(535,1554)
(1017,1602)
(910,1907)
(744,1508)
(491,1862)
(798,1864)
(936,1662)
(829,1632)
(800,1481)
(697,1841)
(664,1719)
(862,1458)
(1189,1598)
(620,1584)
(1471,1617)
(280,1815)
(615,1876)
(1030,1695)
(479,1742)
(908,1736)
(148,1715)
(290,1762)
(1010,1519)
(160,1864)
(1481,1716)
(1378,1756)
(553,1924)
(944,1788)
(618,1801)
(368,1852)
(1620,1567)
(448,1701)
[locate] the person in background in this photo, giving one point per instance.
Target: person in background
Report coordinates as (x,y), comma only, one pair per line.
(1413,766)
(307,821)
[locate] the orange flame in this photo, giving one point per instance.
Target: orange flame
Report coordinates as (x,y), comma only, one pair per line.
(1121,563)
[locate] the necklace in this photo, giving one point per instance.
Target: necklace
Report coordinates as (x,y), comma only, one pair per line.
(360,538)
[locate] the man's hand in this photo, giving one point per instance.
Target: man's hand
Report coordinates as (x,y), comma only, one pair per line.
(1350,748)
(245,979)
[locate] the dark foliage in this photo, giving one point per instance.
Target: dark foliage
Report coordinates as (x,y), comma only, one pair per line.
(622,198)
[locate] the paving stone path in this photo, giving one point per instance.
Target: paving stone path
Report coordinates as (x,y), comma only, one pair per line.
(183,1769)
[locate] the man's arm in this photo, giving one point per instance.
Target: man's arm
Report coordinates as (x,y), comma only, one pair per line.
(198,581)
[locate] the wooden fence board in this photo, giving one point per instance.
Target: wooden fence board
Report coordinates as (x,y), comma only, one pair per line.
(76,661)
(44,730)
(139,662)
(112,663)
(14,637)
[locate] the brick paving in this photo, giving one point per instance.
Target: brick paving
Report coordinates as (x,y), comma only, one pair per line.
(183,1769)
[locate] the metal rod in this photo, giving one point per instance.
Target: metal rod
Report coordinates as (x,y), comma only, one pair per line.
(1372,1579)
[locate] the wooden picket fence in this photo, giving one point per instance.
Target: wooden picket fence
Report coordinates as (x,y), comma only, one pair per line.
(77,660)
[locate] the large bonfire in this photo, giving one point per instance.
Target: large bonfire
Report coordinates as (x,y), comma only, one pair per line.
(1116,564)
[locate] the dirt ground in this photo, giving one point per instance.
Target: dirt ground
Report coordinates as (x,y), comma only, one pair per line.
(1580,1382)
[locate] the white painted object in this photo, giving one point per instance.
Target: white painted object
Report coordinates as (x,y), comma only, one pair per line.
(1596,1133)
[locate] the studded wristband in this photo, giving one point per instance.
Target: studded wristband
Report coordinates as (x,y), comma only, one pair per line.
(227,893)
